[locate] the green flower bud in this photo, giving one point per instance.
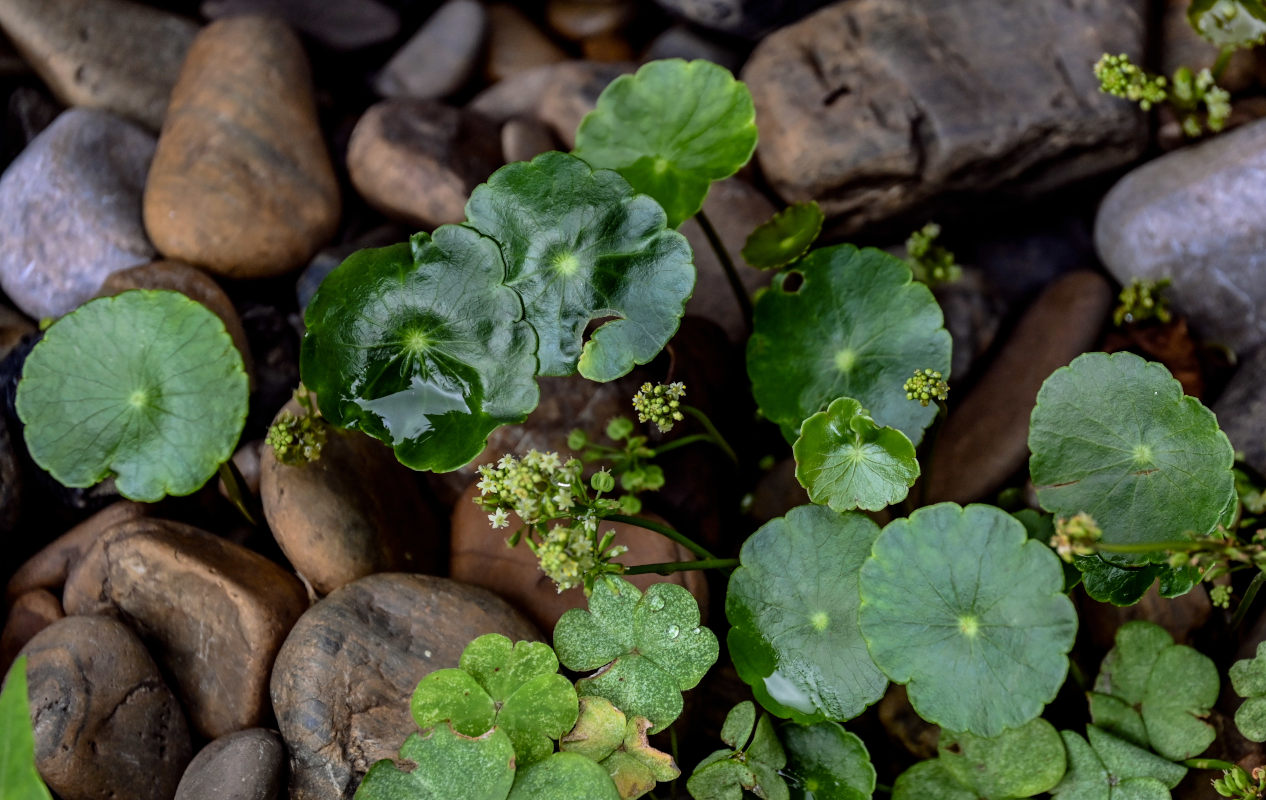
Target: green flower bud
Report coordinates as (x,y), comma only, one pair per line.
(660,404)
(602,481)
(618,428)
(926,386)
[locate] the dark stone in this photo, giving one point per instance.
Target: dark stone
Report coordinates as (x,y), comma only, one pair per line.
(338,24)
(247,765)
(1241,409)
(748,18)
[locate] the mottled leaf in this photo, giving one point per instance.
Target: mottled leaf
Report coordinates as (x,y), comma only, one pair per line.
(930,780)
(1085,778)
(1123,760)
(1180,693)
(737,728)
(1020,762)
(599,729)
(447,766)
(563,776)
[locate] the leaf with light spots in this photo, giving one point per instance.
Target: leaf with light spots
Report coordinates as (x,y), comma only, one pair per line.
(446,766)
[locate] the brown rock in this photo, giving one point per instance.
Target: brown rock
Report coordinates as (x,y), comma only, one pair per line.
(1060,325)
(1001,96)
(607,47)
(418,160)
(192,283)
(70,211)
(1181,616)
(480,557)
(439,58)
(903,724)
(30,614)
(11,481)
(524,94)
(247,765)
(515,43)
(354,512)
(48,568)
(343,679)
(14,327)
(213,613)
(339,24)
(106,725)
(241,182)
(735,208)
(524,138)
(110,54)
(246,459)
(583,19)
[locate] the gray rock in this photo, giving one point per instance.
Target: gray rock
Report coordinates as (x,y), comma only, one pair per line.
(524,138)
(972,316)
(247,765)
(328,260)
(1193,216)
(558,94)
(339,24)
(749,18)
(111,54)
(70,211)
(30,111)
(1241,410)
(515,43)
(876,107)
(342,681)
(439,58)
(681,41)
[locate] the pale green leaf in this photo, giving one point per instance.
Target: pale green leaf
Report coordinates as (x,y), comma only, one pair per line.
(18,775)
(847,461)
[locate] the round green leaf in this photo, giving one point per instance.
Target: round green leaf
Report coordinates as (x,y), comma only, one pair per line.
(1086,778)
(1229,23)
(671,129)
(580,245)
(785,237)
(648,648)
(448,766)
(1250,718)
(501,667)
(826,762)
(539,712)
(1115,437)
(563,776)
(18,775)
(847,461)
(857,326)
(738,725)
(930,780)
(1021,762)
(1181,691)
(961,606)
(419,345)
(146,386)
(453,696)
(793,607)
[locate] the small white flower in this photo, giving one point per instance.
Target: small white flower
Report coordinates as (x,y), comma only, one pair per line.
(499,518)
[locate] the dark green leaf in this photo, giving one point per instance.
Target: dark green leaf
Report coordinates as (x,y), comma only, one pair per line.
(793,607)
(961,606)
(857,327)
(785,237)
(1229,23)
(847,461)
(1020,762)
(448,766)
(649,648)
(419,345)
(146,386)
(671,129)
(825,762)
(563,776)
(18,775)
(1115,437)
(579,245)
(737,729)
(1119,586)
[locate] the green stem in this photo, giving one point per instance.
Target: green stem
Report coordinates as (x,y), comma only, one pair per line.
(1219,66)
(664,530)
(1250,594)
(731,274)
(1207,763)
(882,787)
(682,442)
(1187,546)
(669,567)
(234,486)
(1078,676)
(717,438)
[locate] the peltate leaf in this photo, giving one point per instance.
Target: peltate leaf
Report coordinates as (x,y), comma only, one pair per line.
(1229,23)
(961,606)
(18,775)
(146,386)
(648,648)
(1041,527)
(793,606)
(847,461)
(420,346)
(1115,437)
(825,762)
(580,245)
(856,326)
(930,780)
(786,237)
(1020,762)
(563,776)
(671,129)
(448,766)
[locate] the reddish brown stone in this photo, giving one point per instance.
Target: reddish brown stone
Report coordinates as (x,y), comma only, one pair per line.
(30,614)
(106,725)
(241,182)
(212,612)
(343,679)
(516,44)
(48,568)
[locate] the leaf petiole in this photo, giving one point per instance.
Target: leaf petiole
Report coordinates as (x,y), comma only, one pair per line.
(664,530)
(731,273)
(669,567)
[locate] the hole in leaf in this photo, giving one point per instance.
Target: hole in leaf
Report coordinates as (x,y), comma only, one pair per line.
(595,324)
(792,283)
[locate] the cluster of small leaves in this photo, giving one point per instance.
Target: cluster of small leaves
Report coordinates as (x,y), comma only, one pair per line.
(1105,767)
(298,439)
(630,463)
(1248,678)
(847,461)
(660,404)
(18,775)
(930,262)
(785,237)
(1195,96)
(752,762)
(1237,784)
(1020,762)
(1154,693)
(1229,23)
(604,734)
(561,519)
(925,386)
(1141,300)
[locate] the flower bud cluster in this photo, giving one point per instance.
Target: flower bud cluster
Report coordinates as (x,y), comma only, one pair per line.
(660,404)
(926,385)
